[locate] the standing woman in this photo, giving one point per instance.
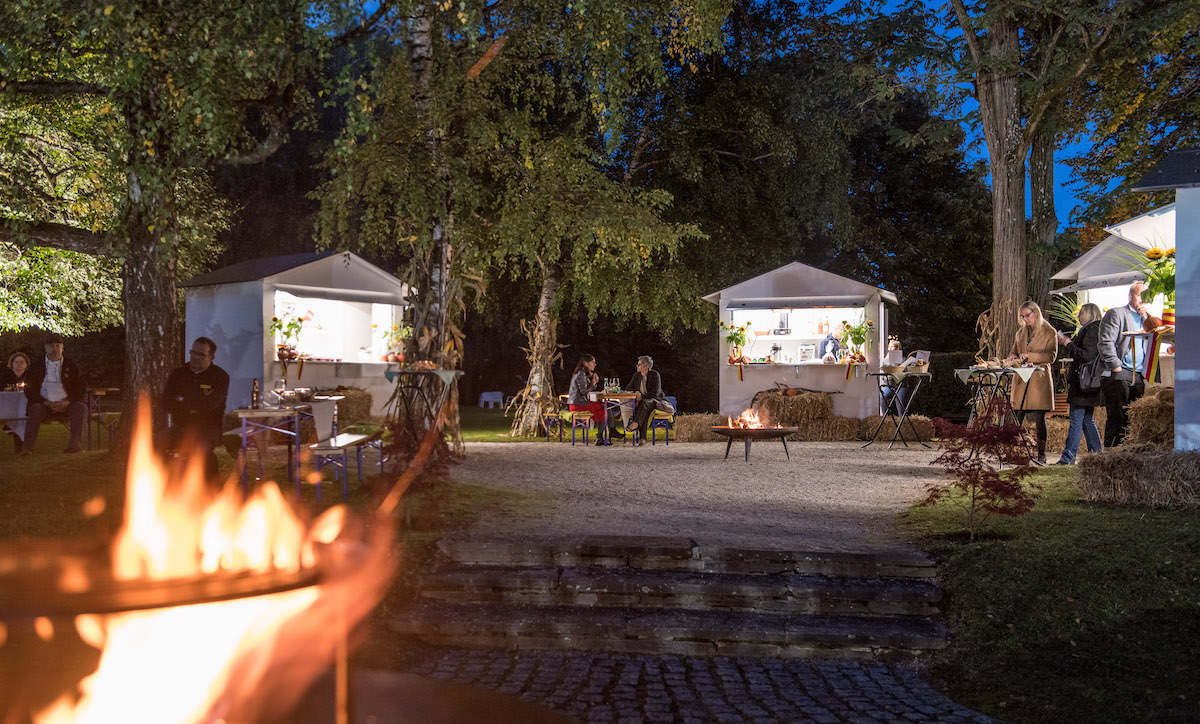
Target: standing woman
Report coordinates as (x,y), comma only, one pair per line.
(1036,343)
(583,381)
(1083,349)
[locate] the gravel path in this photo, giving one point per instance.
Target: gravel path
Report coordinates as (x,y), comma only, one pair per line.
(828,496)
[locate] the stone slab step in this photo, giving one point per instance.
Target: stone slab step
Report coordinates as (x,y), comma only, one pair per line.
(688,590)
(676,632)
(681,554)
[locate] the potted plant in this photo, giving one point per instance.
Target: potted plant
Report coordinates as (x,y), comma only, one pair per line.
(1160,279)
(735,336)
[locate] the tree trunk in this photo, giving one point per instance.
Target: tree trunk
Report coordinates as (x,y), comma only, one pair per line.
(152,343)
(1040,259)
(538,397)
(1000,108)
(420,61)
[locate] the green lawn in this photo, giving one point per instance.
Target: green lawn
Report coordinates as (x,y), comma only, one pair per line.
(1074,612)
(489,424)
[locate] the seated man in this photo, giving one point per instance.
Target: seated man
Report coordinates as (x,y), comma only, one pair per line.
(195,400)
(56,390)
(647,386)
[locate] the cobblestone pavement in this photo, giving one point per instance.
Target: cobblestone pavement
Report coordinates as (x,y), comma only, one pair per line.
(609,687)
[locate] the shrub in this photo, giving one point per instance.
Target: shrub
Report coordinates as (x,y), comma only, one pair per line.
(972,454)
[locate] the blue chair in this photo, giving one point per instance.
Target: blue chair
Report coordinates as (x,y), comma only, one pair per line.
(581,419)
(663,420)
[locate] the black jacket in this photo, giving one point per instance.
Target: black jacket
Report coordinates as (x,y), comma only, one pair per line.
(1083,349)
(654,390)
(72,379)
(8,378)
(197,401)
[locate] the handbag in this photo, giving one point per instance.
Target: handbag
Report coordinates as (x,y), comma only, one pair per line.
(1090,374)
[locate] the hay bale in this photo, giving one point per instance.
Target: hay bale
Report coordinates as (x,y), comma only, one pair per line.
(697,428)
(922,425)
(832,429)
(1142,475)
(801,409)
(1152,418)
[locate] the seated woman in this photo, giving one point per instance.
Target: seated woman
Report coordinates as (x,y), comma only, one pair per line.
(647,386)
(584,380)
(12,377)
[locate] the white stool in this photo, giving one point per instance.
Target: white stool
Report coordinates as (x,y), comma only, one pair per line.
(491,399)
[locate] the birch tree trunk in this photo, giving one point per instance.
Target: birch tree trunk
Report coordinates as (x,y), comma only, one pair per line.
(1040,258)
(420,60)
(538,397)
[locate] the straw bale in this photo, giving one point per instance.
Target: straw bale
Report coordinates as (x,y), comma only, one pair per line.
(800,409)
(832,429)
(1142,475)
(920,423)
(696,428)
(1152,418)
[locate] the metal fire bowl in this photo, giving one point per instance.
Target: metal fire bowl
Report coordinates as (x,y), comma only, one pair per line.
(754,433)
(64,578)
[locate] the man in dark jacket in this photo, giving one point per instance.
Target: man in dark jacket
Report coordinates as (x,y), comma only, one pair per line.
(1121,383)
(647,386)
(195,400)
(55,390)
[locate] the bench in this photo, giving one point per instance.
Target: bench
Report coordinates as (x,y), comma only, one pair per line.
(335,451)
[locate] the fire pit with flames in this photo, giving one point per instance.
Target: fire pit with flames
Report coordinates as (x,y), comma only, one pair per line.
(750,426)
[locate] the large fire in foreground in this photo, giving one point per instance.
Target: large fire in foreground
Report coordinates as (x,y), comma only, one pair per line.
(247,658)
(748,420)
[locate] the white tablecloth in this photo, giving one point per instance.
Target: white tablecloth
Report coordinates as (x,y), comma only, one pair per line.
(12,404)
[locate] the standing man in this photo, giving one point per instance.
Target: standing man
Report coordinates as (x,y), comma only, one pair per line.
(195,400)
(832,342)
(646,384)
(1121,383)
(55,389)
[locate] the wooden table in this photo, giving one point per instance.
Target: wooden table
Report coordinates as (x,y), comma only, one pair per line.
(95,403)
(284,419)
(612,402)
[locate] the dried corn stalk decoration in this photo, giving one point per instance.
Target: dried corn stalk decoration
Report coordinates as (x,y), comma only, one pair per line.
(537,400)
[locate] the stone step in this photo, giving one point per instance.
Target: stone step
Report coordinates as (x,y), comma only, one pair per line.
(791,593)
(721,633)
(679,554)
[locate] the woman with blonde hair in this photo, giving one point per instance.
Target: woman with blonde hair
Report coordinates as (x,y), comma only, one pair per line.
(1084,348)
(1036,344)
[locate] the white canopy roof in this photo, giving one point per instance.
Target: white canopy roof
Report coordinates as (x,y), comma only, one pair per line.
(798,286)
(1114,255)
(327,275)
(1153,228)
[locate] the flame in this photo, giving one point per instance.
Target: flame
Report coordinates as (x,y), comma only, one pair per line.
(748,420)
(228,660)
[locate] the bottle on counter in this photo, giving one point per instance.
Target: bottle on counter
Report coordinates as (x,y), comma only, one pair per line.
(255,398)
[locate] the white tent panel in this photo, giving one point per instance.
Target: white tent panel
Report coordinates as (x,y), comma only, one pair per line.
(1153,228)
(1114,255)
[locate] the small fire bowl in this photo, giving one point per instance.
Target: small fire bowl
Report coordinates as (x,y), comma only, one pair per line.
(304,394)
(287,397)
(61,578)
(754,433)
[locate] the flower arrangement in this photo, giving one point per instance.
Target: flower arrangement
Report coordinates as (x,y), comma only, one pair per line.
(393,342)
(858,334)
(288,327)
(735,334)
(1160,275)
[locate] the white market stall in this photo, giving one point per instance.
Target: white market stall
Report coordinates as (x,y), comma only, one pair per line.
(1102,274)
(794,303)
(351,312)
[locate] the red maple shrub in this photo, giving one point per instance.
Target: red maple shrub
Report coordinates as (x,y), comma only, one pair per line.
(972,454)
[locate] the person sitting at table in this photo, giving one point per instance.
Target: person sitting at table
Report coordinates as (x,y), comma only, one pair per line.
(55,389)
(195,400)
(889,388)
(1036,343)
(832,343)
(1084,348)
(584,381)
(646,385)
(12,379)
